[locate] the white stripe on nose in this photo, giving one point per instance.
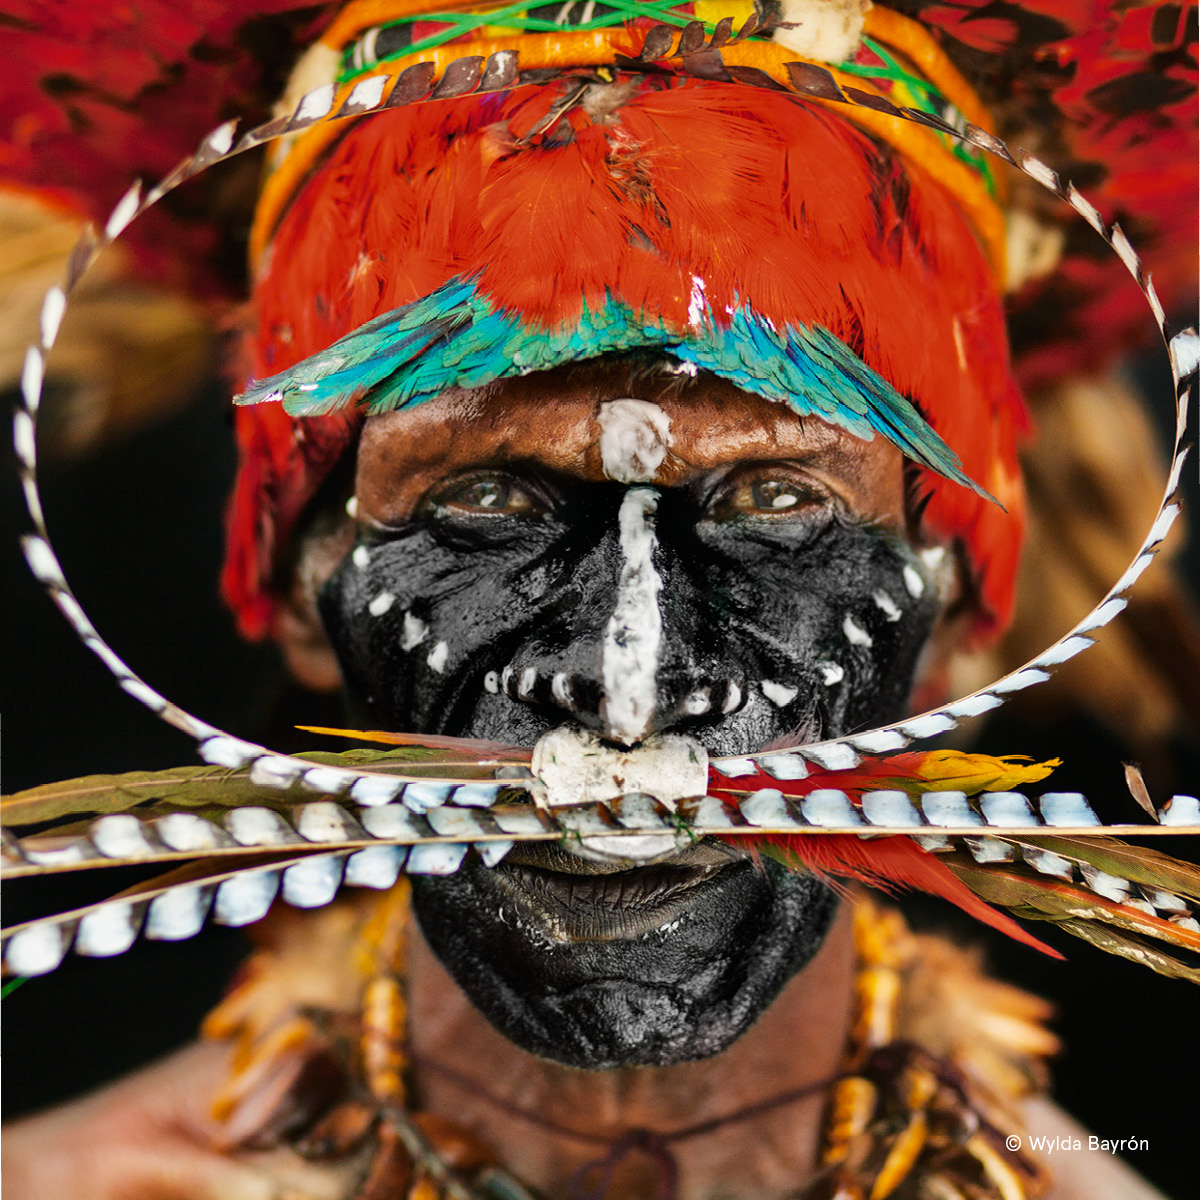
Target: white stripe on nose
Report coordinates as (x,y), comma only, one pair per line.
(629,666)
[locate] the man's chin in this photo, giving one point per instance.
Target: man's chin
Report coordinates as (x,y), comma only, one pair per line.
(596,967)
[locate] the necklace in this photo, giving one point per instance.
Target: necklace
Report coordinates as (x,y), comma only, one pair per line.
(922,1106)
(594,1179)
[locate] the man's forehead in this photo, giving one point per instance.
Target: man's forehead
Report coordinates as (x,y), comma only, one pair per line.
(599,422)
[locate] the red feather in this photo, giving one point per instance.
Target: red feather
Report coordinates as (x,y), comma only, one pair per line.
(890,863)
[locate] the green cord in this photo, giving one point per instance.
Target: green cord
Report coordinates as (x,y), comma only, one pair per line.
(11,986)
(925,96)
(511,15)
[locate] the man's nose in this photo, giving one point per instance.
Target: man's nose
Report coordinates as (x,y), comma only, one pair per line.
(626,658)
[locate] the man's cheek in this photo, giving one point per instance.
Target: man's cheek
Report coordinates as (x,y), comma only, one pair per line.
(760,638)
(418,626)
(831,633)
(836,630)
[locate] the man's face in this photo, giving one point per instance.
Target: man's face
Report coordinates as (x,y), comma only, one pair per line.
(628,552)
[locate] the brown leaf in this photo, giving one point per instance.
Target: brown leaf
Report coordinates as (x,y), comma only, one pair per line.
(692,38)
(500,72)
(749,29)
(413,84)
(707,64)
(657,44)
(460,77)
(721,32)
(754,77)
(811,80)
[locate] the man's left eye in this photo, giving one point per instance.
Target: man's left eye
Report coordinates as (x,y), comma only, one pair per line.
(761,494)
(774,494)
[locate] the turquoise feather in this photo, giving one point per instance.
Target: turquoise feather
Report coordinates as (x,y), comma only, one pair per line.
(455,337)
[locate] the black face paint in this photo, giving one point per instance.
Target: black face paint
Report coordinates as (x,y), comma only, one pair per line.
(460,621)
(486,616)
(681,990)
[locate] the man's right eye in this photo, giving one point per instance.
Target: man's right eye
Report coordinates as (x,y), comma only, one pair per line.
(484,496)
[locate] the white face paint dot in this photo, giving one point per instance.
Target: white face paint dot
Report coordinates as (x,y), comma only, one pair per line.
(733,699)
(887,606)
(381,604)
(634,438)
(779,694)
(856,635)
(697,703)
(352,508)
(361,557)
(506,677)
(831,673)
(561,690)
(415,631)
(913,582)
(437,657)
(528,679)
(491,682)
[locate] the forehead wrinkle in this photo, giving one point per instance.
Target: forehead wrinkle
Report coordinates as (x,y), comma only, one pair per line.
(402,454)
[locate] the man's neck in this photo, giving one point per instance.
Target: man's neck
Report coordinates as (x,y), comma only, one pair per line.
(798,1042)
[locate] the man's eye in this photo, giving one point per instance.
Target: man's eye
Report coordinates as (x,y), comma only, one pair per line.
(774,494)
(484,496)
(768,495)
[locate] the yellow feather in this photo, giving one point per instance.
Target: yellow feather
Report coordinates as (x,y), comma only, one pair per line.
(954,771)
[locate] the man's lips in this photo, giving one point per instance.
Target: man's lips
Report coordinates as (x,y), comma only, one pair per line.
(569,898)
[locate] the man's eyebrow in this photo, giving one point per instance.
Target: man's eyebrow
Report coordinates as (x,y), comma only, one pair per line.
(457,336)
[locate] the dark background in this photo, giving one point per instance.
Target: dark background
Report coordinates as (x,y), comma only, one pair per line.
(139,530)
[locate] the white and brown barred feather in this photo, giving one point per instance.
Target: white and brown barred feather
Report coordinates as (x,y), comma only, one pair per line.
(248,828)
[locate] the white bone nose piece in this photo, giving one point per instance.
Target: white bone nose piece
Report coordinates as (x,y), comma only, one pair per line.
(576,767)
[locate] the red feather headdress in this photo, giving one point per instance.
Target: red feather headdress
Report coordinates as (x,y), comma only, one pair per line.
(779,206)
